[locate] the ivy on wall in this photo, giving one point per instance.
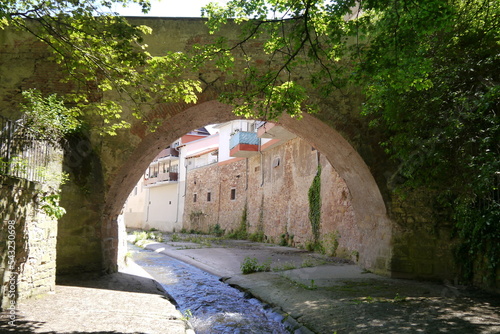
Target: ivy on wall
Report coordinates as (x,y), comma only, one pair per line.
(479,230)
(314,196)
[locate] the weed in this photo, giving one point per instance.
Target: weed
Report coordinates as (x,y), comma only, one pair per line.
(286,239)
(241,233)
(399,298)
(151,235)
(331,243)
(252,265)
(216,230)
(257,236)
(313,246)
(186,315)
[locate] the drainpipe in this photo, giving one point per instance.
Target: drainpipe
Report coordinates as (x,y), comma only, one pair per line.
(178,180)
(246,177)
(185,180)
(261,163)
(149,202)
(178,200)
(219,197)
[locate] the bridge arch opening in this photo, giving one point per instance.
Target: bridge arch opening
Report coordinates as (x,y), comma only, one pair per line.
(373,227)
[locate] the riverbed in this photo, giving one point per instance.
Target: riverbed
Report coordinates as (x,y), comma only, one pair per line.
(210,305)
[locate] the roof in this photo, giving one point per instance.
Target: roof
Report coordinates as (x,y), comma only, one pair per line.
(199,154)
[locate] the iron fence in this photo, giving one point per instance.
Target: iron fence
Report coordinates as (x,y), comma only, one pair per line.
(22,154)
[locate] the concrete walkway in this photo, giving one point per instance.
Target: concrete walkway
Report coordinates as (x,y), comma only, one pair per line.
(318,295)
(126,302)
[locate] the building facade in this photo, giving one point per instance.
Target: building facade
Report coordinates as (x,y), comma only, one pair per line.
(157,200)
(251,175)
(262,183)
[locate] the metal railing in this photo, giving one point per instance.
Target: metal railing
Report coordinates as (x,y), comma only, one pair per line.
(22,154)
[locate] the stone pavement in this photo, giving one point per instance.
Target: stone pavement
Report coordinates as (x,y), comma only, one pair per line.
(126,302)
(318,295)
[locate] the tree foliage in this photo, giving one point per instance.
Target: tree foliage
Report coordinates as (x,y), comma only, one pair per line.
(48,118)
(101,51)
(429,70)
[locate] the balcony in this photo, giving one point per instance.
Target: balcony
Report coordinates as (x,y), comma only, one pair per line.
(244,144)
(168,153)
(159,179)
(274,131)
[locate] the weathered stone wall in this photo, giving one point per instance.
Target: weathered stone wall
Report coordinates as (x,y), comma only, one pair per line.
(422,247)
(218,180)
(80,241)
(32,272)
(24,64)
(274,186)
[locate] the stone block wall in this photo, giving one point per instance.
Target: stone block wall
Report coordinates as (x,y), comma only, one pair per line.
(32,272)
(80,240)
(274,188)
(220,180)
(422,247)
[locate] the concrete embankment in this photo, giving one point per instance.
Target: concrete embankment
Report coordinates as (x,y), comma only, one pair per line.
(321,295)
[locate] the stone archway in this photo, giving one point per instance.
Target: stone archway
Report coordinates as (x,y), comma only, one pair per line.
(367,201)
(103,170)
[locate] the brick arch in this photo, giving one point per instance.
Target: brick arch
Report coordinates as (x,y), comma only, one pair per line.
(367,201)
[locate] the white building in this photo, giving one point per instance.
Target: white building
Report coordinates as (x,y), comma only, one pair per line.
(157,200)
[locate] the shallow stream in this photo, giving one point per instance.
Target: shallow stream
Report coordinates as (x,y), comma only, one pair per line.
(210,305)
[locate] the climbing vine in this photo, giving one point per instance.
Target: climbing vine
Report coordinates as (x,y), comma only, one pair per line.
(477,225)
(314,196)
(242,232)
(259,235)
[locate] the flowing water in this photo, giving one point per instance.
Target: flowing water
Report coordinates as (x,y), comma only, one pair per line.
(212,306)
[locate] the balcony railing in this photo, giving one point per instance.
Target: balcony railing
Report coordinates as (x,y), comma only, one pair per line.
(161,178)
(243,137)
(243,144)
(169,152)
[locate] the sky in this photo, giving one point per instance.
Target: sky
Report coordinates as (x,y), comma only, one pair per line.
(169,8)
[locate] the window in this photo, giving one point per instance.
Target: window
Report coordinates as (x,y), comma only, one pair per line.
(276,162)
(209,196)
(233,193)
(195,196)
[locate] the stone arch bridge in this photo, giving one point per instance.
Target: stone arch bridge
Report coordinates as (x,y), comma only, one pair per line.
(399,238)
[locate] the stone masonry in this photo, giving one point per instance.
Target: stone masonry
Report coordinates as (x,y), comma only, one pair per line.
(274,188)
(32,273)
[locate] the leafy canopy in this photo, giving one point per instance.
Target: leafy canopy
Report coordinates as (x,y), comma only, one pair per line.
(429,70)
(101,51)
